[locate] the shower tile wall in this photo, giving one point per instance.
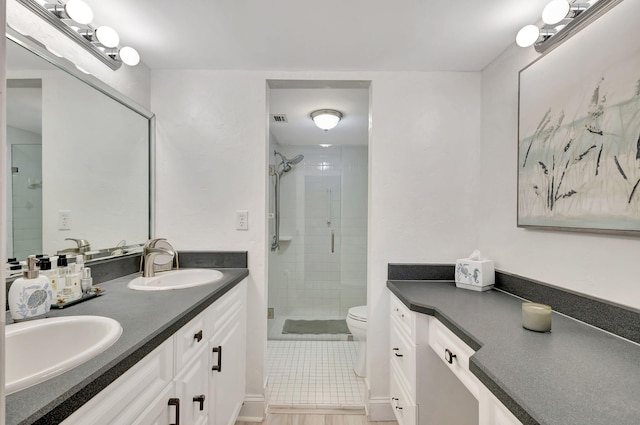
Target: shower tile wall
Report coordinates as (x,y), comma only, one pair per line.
(305,279)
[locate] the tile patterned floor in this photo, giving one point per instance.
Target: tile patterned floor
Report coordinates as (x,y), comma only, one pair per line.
(313,375)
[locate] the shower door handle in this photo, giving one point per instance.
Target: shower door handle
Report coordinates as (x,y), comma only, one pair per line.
(333,241)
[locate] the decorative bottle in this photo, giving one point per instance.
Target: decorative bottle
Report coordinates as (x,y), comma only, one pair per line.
(30,295)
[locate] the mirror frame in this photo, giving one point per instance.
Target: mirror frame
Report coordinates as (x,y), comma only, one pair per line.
(66,65)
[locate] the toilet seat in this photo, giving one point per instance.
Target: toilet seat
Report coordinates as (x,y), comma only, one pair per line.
(358,313)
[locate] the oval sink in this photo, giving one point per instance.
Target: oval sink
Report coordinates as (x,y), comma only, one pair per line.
(176,279)
(41,349)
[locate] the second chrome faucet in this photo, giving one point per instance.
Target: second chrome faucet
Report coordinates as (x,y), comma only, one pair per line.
(154,249)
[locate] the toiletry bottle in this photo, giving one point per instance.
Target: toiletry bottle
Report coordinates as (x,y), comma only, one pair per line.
(30,295)
(75,276)
(52,275)
(87,280)
(63,271)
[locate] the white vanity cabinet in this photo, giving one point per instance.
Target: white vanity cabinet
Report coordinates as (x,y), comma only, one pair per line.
(175,383)
(226,350)
(125,399)
(430,382)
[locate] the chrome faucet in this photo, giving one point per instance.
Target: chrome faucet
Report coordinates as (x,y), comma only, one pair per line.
(82,247)
(149,254)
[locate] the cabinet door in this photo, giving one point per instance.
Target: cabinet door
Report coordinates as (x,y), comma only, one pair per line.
(192,390)
(129,395)
(163,410)
(227,371)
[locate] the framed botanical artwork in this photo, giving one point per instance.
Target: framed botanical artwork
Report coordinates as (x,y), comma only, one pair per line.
(579,130)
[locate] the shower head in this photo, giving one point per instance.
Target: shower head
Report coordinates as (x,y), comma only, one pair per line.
(287,163)
(296,159)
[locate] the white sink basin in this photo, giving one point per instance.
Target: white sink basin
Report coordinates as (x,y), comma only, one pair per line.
(176,279)
(41,349)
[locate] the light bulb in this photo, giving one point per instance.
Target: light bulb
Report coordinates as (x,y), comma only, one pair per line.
(107,36)
(326,119)
(129,56)
(527,36)
(79,11)
(555,11)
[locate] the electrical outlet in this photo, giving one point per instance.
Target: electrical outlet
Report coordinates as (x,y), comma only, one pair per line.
(64,220)
(242,220)
(270,313)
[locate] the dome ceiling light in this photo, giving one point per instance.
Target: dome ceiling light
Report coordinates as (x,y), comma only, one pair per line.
(326,119)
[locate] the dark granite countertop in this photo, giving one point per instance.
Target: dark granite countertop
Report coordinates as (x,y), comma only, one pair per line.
(576,374)
(147,317)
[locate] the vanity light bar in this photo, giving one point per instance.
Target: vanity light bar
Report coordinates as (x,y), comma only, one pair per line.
(579,14)
(101,42)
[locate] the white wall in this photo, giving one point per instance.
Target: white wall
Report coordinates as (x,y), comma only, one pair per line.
(212,154)
(3,204)
(131,81)
(602,266)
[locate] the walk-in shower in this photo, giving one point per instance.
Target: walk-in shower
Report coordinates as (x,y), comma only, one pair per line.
(278,171)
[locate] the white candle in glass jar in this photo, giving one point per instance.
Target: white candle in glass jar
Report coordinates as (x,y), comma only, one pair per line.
(536,317)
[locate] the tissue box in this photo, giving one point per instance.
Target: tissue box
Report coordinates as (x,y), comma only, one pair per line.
(475,275)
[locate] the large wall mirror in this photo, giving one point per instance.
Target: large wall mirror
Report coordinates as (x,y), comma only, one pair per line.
(79,158)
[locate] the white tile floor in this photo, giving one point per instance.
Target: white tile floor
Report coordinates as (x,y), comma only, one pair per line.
(314,375)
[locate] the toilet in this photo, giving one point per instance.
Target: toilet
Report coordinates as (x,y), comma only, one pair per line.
(357,324)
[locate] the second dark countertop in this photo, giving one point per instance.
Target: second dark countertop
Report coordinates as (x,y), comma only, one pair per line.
(576,374)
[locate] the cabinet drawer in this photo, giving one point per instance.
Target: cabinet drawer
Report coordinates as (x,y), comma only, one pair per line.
(222,311)
(129,395)
(406,318)
(191,338)
(454,353)
(404,356)
(403,405)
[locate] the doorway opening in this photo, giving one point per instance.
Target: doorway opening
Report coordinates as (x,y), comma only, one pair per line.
(318,206)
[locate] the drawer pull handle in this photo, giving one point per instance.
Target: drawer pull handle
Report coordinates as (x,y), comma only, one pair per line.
(175,402)
(198,336)
(449,356)
(395,403)
(199,399)
(397,355)
(218,350)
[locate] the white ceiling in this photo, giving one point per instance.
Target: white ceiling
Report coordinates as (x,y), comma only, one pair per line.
(426,35)
(297,103)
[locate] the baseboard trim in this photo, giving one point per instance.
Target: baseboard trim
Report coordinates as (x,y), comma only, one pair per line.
(379,410)
(253,409)
(315,410)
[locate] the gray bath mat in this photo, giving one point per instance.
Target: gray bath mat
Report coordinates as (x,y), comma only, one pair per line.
(315,327)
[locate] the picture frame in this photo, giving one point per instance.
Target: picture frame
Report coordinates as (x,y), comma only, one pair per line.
(579,131)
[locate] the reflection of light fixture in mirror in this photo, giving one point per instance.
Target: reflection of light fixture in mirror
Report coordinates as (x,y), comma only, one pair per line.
(326,119)
(560,20)
(73,19)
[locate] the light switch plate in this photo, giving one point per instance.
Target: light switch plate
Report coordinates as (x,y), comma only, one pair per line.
(242,220)
(64,220)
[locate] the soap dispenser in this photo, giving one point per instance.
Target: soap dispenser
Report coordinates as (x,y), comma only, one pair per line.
(30,295)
